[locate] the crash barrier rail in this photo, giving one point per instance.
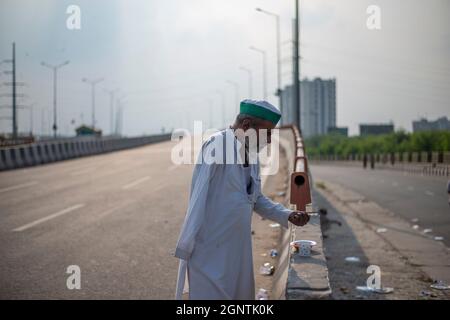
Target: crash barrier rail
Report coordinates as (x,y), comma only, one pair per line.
(425,163)
(300,276)
(50,151)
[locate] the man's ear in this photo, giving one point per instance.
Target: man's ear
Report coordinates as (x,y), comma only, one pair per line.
(246,124)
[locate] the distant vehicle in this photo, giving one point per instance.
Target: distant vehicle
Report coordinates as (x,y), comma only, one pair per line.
(84,130)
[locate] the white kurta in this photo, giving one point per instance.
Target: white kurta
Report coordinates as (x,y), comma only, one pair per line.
(215,243)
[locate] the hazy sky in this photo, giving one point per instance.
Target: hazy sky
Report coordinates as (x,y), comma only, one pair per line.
(172,56)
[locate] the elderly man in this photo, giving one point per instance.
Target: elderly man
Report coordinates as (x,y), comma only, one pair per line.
(215,244)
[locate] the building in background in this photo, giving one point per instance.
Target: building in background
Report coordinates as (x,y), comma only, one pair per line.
(317,106)
(343,131)
(373,129)
(424,125)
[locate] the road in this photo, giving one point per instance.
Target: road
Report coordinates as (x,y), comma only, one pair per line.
(408,196)
(117,216)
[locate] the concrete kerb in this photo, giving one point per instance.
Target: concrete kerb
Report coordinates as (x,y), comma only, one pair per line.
(297,277)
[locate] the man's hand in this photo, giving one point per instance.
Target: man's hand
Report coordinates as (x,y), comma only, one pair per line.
(299,218)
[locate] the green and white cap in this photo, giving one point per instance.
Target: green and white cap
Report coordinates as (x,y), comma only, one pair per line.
(260,109)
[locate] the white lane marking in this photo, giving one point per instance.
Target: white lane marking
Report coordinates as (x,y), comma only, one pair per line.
(52,216)
(410,188)
(135,183)
(429,193)
(23,185)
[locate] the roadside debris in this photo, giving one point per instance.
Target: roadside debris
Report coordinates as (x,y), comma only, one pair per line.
(383,290)
(425,293)
(415,227)
(267,269)
(440,285)
(427,230)
(281,194)
(274,225)
(439,238)
(352,259)
(344,290)
(415,220)
(273,253)
(262,294)
(381,230)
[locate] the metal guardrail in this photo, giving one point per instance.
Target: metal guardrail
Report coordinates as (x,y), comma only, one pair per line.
(433,164)
(57,150)
(300,277)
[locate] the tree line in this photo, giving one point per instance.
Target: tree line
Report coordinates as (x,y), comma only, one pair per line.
(400,141)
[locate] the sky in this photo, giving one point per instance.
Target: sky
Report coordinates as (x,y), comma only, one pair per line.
(171,59)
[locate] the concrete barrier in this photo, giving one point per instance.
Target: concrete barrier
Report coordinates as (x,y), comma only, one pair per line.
(298,277)
(49,151)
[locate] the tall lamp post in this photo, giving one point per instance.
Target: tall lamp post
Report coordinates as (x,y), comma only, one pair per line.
(236,92)
(111,109)
(55,68)
(250,85)
(93,83)
(222,97)
(264,66)
(278,42)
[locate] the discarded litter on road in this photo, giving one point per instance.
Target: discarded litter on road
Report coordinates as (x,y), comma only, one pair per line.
(262,294)
(273,253)
(352,259)
(440,285)
(439,238)
(427,230)
(381,230)
(274,225)
(383,290)
(267,269)
(415,227)
(425,293)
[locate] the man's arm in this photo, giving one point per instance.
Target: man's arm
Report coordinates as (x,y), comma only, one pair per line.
(274,211)
(277,212)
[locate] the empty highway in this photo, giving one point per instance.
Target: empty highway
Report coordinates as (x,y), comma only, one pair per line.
(116,216)
(406,195)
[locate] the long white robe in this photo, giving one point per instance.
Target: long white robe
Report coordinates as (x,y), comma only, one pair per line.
(215,243)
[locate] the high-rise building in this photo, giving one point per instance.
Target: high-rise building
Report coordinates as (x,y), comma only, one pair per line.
(317,106)
(424,125)
(375,128)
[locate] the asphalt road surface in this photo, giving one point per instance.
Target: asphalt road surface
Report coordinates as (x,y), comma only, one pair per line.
(117,216)
(409,196)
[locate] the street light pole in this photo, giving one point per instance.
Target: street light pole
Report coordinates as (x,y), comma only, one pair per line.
(278,42)
(250,86)
(93,83)
(55,68)
(236,91)
(222,96)
(264,70)
(297,95)
(111,108)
